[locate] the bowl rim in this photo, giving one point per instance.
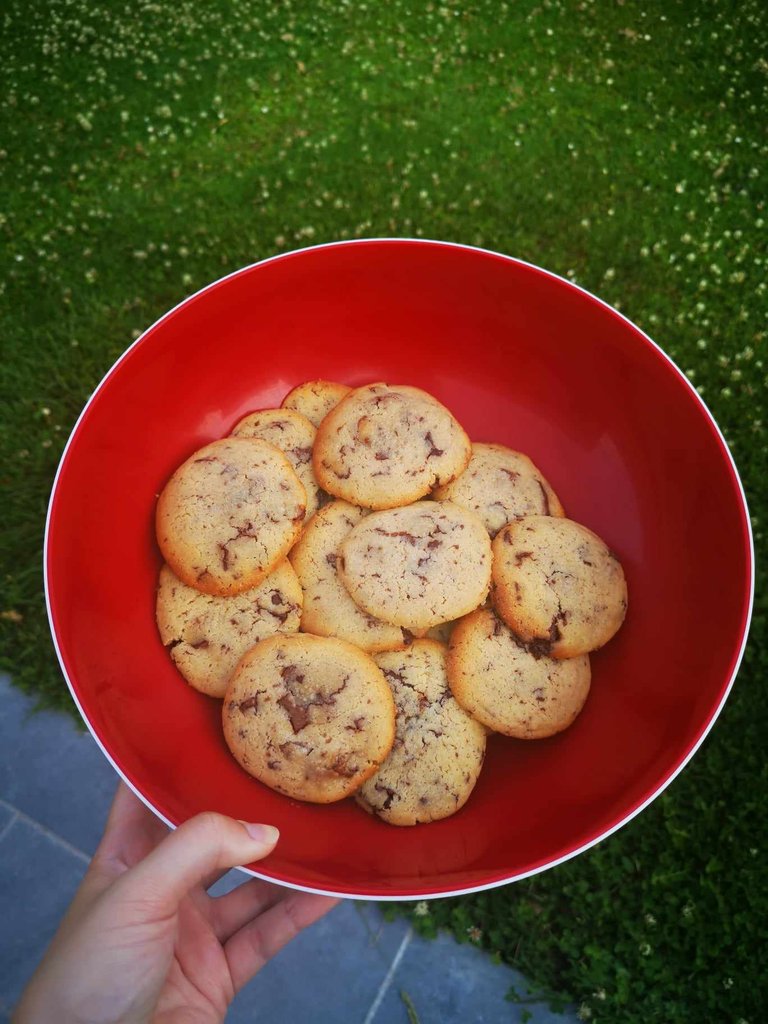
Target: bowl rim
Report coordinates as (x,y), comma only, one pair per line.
(503,879)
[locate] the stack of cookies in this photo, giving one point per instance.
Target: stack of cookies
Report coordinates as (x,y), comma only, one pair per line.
(370,594)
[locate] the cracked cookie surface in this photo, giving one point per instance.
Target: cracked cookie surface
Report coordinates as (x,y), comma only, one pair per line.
(229,514)
(497,679)
(388,445)
(438,750)
(418,566)
(206,635)
(311,717)
(328,608)
(315,399)
(501,485)
(557,585)
(294,435)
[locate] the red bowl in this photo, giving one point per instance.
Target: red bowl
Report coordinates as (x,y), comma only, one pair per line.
(521,357)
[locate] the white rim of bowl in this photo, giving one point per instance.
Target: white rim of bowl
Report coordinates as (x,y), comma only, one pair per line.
(386,898)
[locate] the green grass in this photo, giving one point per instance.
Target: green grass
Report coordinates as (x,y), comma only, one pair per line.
(149,148)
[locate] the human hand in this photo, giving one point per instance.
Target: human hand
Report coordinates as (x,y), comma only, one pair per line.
(143,941)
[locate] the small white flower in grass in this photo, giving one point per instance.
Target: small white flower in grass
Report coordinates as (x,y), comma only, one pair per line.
(421,909)
(650,920)
(474,933)
(584,1012)
(645,949)
(727,982)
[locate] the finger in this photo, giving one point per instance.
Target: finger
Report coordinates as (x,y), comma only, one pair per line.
(233,910)
(250,948)
(205,844)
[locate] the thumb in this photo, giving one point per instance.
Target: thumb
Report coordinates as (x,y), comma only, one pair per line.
(200,847)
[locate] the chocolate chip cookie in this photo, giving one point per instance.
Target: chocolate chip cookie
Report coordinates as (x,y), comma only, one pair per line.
(294,435)
(388,445)
(315,399)
(309,716)
(206,636)
(500,485)
(557,586)
(501,683)
(438,750)
(229,514)
(328,608)
(417,566)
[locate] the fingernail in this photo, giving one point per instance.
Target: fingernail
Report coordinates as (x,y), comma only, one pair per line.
(267,835)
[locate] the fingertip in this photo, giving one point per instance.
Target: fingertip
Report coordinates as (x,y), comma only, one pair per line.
(265,835)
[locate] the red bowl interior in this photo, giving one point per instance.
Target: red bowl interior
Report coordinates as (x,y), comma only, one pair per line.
(520,357)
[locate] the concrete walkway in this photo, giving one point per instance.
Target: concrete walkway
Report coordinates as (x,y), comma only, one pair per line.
(352,966)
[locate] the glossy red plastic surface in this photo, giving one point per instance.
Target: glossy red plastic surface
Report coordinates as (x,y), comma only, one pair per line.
(521,357)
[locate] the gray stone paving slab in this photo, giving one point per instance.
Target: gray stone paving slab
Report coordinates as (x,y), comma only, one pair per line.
(7,815)
(449,981)
(330,974)
(52,771)
(38,878)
